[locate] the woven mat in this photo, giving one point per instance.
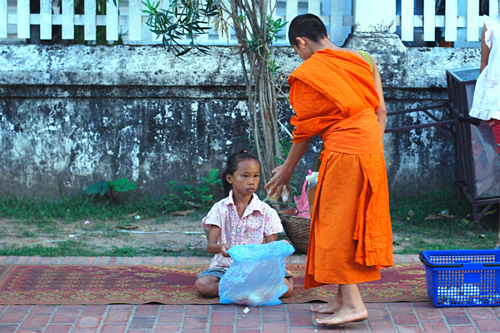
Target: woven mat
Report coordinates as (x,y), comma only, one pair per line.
(140,284)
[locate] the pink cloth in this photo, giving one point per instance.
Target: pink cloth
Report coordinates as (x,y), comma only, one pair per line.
(495,126)
(258,220)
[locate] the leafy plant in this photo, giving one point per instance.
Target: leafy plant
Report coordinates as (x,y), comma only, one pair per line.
(119,185)
(213,178)
(182,18)
(188,196)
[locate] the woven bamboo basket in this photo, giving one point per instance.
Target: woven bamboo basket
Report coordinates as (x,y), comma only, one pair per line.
(297,230)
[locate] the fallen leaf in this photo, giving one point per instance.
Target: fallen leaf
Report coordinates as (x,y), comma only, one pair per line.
(439,217)
(125,228)
(193,204)
(183,212)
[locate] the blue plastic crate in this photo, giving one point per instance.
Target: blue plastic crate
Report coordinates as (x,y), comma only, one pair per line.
(462,277)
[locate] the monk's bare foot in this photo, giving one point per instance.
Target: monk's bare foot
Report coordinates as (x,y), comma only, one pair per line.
(344,315)
(330,307)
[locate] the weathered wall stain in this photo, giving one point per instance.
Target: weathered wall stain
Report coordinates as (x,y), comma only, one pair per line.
(71,116)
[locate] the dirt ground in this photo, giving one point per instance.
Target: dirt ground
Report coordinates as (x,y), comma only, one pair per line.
(181,235)
(174,234)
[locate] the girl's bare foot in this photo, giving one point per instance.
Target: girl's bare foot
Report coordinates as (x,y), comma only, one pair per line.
(344,315)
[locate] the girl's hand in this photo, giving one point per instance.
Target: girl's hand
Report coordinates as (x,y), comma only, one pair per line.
(223,250)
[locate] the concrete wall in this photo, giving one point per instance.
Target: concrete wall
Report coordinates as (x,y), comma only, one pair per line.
(73,115)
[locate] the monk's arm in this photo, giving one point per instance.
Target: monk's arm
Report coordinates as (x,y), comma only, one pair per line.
(485,50)
(382,110)
(283,173)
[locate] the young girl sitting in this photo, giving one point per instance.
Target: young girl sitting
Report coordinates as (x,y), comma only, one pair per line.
(239,219)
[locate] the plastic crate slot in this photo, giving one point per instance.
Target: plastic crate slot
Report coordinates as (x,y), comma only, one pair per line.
(469,283)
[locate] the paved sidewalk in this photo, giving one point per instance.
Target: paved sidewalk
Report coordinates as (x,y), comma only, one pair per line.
(383,317)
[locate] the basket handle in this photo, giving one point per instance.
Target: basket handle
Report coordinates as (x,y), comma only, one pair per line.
(426,262)
(491,264)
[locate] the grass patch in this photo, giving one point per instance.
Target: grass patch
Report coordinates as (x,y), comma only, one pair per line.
(75,208)
(28,234)
(440,221)
(413,228)
(80,249)
(77,248)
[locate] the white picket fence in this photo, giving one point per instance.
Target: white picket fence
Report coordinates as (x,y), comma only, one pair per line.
(127,20)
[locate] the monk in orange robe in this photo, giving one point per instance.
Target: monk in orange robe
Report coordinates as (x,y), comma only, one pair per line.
(337,94)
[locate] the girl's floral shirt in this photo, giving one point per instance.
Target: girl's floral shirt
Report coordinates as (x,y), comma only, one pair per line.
(258,220)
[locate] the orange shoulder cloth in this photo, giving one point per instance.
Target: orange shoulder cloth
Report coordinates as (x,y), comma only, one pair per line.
(333,95)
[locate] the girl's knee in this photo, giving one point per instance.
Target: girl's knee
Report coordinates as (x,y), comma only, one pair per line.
(289,284)
(206,287)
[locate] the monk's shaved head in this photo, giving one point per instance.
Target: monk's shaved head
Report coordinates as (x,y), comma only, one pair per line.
(308,26)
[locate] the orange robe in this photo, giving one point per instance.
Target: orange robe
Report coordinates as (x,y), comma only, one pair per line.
(333,95)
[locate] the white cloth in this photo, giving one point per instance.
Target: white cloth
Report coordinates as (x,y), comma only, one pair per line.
(486,101)
(258,220)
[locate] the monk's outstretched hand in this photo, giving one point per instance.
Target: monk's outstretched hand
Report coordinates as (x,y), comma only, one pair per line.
(281,178)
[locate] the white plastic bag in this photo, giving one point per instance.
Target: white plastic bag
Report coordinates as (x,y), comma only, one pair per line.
(256,277)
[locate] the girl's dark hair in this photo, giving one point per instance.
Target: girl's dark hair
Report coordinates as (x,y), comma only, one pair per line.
(306,25)
(232,166)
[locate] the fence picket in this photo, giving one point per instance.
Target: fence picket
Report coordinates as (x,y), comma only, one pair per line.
(336,21)
(134,20)
(493,7)
(68,17)
(472,21)
(225,36)
(451,11)
(204,37)
(90,18)
(292,10)
(407,22)
(46,19)
(23,19)
(3,18)
(429,20)
(315,7)
(111,20)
